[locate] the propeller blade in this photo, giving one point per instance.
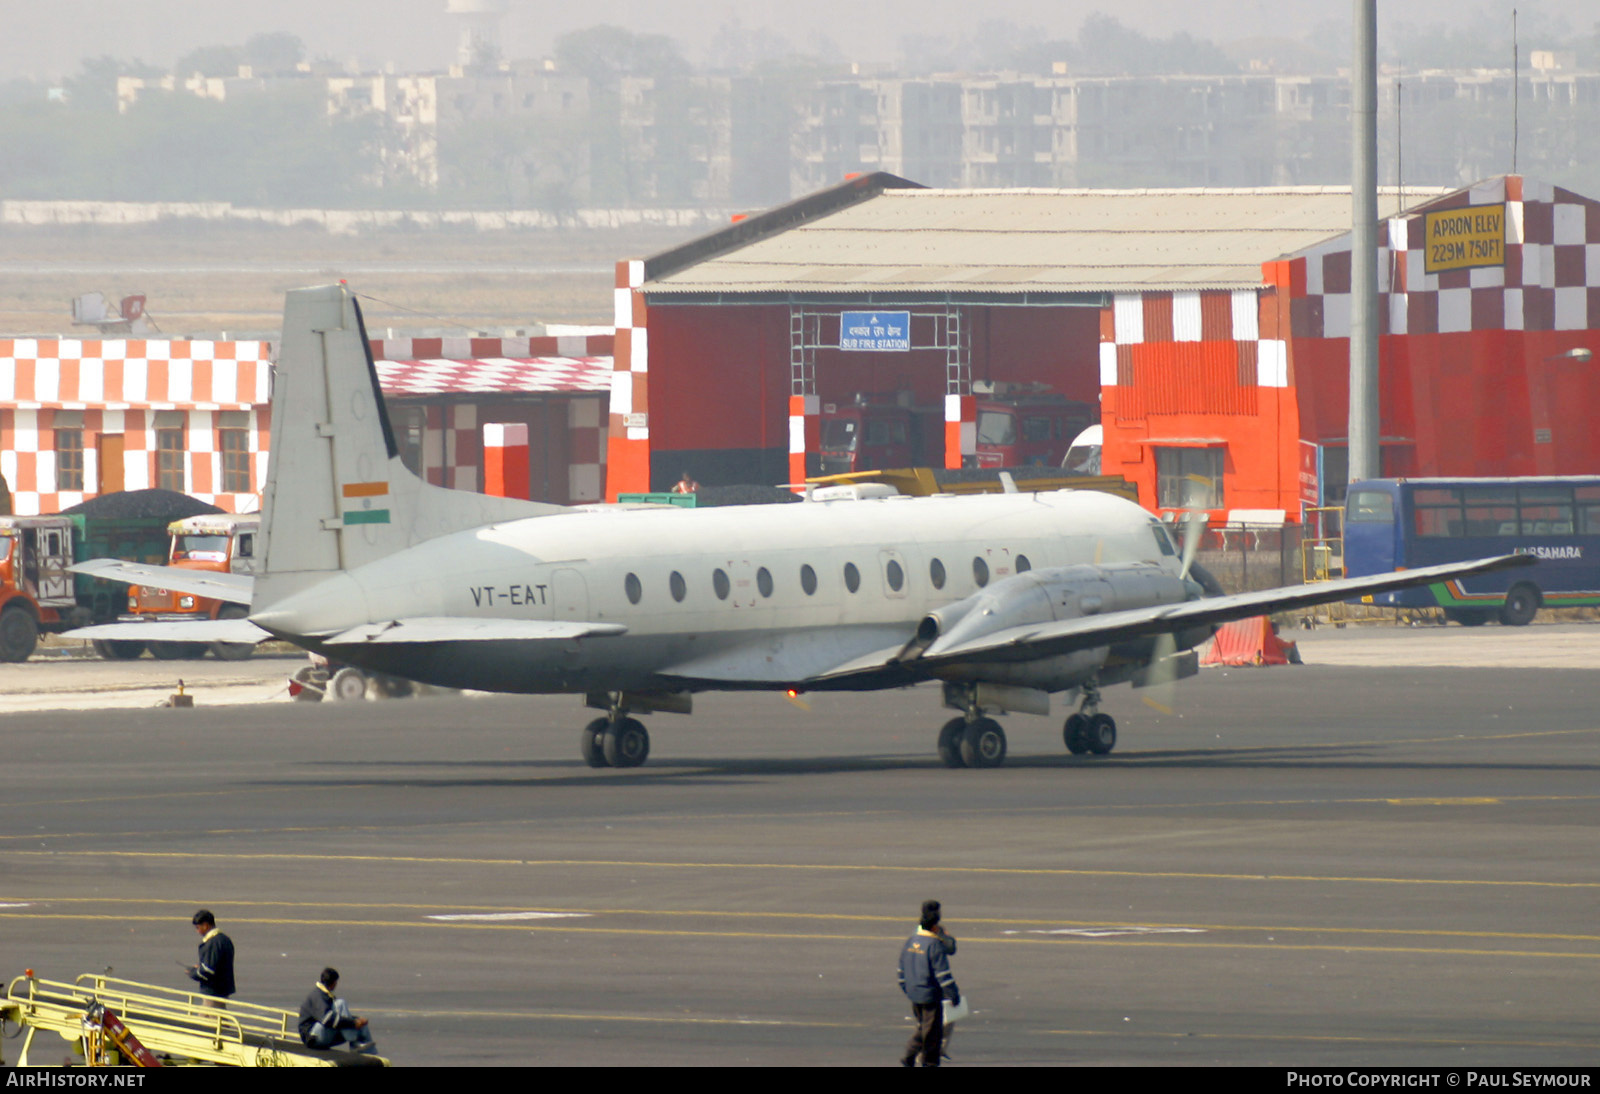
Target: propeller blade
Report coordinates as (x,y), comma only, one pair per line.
(1194,524)
(1159,693)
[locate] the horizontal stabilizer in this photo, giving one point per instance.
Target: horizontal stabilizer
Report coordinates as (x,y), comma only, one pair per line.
(234,588)
(178,630)
(471,630)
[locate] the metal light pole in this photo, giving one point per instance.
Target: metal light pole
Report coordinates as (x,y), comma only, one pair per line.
(1364,245)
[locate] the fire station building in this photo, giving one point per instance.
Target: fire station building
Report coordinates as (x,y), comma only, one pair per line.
(1211,326)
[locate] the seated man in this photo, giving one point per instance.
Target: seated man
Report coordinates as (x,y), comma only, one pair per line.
(326,1021)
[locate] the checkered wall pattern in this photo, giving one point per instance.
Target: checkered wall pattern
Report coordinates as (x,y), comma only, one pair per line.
(113,386)
(1550,280)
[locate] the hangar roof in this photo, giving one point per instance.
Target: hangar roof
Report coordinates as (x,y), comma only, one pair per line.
(1003,242)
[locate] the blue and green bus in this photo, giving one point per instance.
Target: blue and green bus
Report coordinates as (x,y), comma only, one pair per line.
(1401,524)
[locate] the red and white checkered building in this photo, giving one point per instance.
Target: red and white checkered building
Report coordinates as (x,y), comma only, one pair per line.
(114,403)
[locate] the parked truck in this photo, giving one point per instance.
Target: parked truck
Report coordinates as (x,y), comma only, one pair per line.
(37,592)
(216,542)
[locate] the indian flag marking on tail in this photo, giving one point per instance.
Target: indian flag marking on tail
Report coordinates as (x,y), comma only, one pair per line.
(365,492)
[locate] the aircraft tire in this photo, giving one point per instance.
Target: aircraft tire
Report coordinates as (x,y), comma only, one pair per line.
(1522,604)
(626,744)
(984,744)
(1102,734)
(348,685)
(118,649)
(950,742)
(1076,733)
(591,743)
(233,651)
(19,635)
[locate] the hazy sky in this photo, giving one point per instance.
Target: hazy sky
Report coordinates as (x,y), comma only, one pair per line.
(49,37)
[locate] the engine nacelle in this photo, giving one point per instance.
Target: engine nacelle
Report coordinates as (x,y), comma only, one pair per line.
(1045,596)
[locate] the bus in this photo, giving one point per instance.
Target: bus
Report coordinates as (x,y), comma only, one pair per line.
(1400,524)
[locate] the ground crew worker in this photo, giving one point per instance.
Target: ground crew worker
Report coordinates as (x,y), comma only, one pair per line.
(926,979)
(214,972)
(686,485)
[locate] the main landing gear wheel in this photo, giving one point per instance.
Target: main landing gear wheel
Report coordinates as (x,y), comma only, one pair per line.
(950,742)
(1090,734)
(1102,735)
(592,743)
(348,685)
(1076,734)
(625,743)
(983,744)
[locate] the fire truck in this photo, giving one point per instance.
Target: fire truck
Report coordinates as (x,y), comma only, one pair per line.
(1018,425)
(222,543)
(1022,425)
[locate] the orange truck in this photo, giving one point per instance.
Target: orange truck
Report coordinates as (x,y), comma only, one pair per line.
(220,542)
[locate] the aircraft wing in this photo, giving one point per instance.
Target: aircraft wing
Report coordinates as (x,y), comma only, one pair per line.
(234,588)
(443,629)
(1035,640)
(194,630)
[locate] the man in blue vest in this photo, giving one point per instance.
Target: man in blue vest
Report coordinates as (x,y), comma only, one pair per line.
(926,979)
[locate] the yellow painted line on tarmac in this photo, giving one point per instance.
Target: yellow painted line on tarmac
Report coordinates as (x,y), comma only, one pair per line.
(964,924)
(1322,1038)
(875,939)
(816,867)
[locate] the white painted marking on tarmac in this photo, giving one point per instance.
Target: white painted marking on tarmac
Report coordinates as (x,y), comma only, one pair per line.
(16,905)
(500,916)
(1112,932)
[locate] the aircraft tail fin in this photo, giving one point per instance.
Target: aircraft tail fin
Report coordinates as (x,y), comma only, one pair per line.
(337,494)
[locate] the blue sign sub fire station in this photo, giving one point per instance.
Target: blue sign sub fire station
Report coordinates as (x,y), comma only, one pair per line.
(877,331)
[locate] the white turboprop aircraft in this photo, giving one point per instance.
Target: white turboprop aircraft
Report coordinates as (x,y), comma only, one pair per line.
(1006,599)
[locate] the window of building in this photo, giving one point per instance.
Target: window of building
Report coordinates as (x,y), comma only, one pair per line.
(233,442)
(1189,478)
(69,449)
(170,447)
(413,422)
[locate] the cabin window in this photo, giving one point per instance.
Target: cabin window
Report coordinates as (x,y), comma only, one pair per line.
(679,587)
(936,573)
(631,586)
(764,581)
(895,575)
(980,571)
(852,577)
(719,584)
(1023,565)
(808,580)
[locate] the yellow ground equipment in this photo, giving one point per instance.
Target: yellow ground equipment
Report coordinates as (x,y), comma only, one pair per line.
(111,1023)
